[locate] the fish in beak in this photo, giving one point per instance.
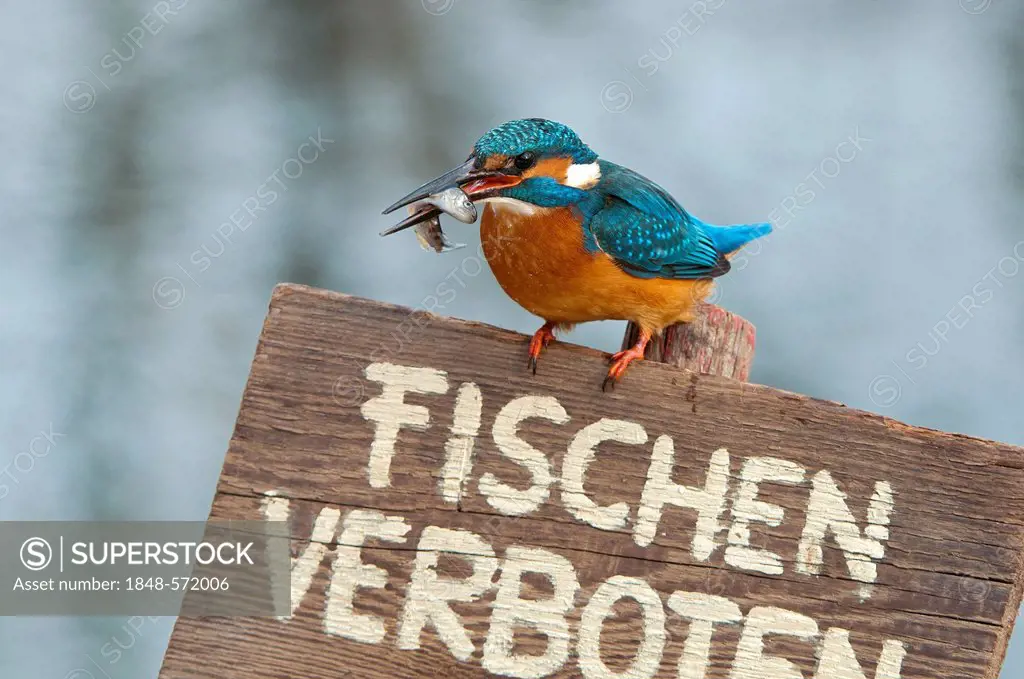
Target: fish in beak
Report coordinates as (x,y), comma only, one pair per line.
(431,237)
(477,183)
(425,215)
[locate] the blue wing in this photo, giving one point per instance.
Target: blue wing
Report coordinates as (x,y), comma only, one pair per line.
(647,233)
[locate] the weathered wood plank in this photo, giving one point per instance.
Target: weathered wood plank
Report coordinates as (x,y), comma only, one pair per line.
(941,516)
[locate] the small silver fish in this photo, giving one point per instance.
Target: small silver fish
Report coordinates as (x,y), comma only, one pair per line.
(425,217)
(454,201)
(431,237)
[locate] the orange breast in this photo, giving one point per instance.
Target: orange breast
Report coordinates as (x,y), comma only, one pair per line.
(537,255)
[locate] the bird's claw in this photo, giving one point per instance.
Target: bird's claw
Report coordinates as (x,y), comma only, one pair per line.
(538,342)
(617,356)
(620,361)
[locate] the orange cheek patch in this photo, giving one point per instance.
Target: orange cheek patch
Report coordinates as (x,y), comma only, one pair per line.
(550,167)
(496,161)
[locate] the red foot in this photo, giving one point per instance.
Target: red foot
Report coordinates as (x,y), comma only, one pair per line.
(541,339)
(622,359)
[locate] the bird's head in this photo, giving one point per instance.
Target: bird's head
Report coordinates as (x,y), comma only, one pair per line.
(534,161)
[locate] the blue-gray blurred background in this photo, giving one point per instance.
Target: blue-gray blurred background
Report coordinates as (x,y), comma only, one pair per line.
(136,135)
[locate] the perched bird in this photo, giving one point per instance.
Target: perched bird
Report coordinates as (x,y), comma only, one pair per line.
(574,238)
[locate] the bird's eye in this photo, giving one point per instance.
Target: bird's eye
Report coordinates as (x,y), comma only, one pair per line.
(525,160)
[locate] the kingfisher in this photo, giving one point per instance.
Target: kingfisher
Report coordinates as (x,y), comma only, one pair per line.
(572,237)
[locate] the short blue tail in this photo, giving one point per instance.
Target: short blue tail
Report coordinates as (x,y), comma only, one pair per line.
(729,239)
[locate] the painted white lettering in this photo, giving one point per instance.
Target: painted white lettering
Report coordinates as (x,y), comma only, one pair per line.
(827,511)
(582,450)
(501,496)
(390,412)
(648,657)
(838,661)
(659,490)
(544,615)
(458,461)
(703,611)
(350,572)
(429,594)
(751,662)
(303,567)
(748,508)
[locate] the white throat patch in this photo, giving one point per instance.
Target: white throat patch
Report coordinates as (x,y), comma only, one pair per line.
(503,203)
(583,175)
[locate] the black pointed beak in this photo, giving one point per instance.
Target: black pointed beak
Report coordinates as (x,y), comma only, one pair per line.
(415,218)
(477,183)
(456,177)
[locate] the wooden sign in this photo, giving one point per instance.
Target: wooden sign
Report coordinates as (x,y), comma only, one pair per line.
(453,515)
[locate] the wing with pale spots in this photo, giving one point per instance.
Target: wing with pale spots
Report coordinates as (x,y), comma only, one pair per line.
(647,233)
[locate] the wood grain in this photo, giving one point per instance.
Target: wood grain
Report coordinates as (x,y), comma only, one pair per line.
(948,587)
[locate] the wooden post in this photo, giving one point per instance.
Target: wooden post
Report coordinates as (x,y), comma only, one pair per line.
(451,514)
(716,342)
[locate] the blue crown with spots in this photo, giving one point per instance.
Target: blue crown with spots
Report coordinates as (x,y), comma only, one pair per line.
(544,137)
